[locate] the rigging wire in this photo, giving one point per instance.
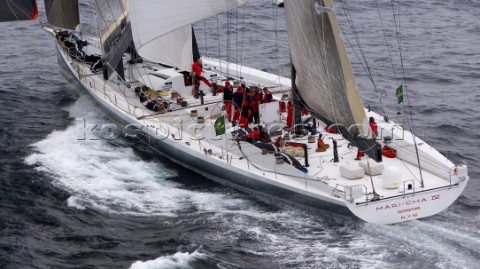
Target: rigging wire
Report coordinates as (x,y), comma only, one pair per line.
(227,57)
(275,22)
(205,36)
(236,38)
(218,40)
(399,42)
(386,41)
(408,101)
(229,34)
(367,67)
(243,36)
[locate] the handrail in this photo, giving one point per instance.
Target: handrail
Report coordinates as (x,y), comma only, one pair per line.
(401,195)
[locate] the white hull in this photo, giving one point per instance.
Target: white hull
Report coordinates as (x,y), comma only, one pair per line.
(322,187)
(408,207)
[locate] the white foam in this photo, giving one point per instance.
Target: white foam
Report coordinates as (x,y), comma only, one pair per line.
(178,260)
(111,178)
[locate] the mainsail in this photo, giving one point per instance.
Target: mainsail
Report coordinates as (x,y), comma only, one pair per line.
(115,32)
(13,10)
(324,75)
(162,30)
(62,13)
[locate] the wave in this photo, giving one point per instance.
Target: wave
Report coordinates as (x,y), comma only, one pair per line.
(113,179)
(179,260)
(107,175)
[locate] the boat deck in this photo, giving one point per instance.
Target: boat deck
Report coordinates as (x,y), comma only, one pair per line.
(323,176)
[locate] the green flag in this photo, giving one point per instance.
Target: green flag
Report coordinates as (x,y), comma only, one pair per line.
(219,125)
(400,94)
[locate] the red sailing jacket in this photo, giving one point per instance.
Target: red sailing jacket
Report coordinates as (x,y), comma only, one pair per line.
(197,69)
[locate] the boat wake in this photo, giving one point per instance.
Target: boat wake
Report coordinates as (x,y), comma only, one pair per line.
(110,177)
(178,260)
(447,244)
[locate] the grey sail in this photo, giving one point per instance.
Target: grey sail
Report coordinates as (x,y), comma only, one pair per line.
(114,30)
(324,76)
(62,13)
(14,10)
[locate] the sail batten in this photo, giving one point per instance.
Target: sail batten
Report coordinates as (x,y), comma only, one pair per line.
(324,75)
(159,39)
(62,13)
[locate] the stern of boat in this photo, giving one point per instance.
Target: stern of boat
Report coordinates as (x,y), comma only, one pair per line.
(408,205)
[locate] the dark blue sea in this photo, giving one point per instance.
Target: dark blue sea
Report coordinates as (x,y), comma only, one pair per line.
(94,203)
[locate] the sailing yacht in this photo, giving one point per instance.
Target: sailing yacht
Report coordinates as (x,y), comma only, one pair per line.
(139,70)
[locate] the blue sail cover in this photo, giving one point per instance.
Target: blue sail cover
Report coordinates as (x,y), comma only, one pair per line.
(14,10)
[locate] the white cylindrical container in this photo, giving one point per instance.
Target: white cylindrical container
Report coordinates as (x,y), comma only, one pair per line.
(462,171)
(391,177)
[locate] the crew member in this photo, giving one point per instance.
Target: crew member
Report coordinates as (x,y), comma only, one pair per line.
(255,134)
(227,100)
(373,126)
(198,69)
(246,109)
(237,100)
(267,96)
(290,112)
(257,98)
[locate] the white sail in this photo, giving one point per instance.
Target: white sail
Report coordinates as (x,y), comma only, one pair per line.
(173,49)
(151,20)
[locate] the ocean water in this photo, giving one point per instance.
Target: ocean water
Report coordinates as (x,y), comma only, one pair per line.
(95,203)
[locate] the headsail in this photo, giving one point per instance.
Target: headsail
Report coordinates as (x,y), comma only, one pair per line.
(115,31)
(173,49)
(153,20)
(324,76)
(62,13)
(14,10)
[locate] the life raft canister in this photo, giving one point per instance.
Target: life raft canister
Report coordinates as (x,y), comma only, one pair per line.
(389,152)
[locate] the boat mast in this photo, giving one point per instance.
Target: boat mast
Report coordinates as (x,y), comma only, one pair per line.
(196,52)
(297,105)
